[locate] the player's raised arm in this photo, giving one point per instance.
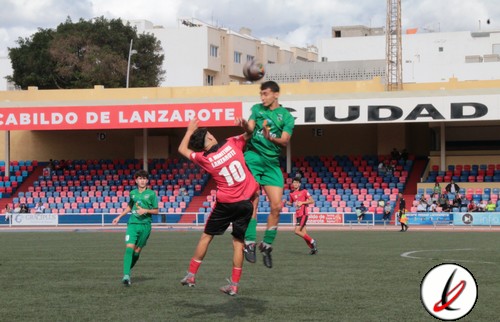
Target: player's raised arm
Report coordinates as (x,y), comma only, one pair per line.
(247,126)
(183,146)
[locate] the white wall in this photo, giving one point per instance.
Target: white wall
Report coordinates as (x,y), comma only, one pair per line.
(186,53)
(422,59)
(5,70)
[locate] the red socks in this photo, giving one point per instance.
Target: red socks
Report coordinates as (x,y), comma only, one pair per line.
(236,275)
(194,264)
(308,240)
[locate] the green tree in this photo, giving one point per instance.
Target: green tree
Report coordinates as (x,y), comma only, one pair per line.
(84,54)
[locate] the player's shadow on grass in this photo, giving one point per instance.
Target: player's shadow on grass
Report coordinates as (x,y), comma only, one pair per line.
(234,308)
(141,279)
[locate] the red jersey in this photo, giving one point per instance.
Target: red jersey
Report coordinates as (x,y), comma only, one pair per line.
(229,170)
(300,195)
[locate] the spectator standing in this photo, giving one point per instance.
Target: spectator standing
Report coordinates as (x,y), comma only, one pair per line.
(8,212)
(437,188)
(452,187)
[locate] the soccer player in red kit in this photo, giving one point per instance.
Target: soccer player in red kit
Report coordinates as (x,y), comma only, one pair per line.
(236,189)
(302,199)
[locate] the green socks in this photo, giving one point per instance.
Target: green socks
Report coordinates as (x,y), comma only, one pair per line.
(270,235)
(135,258)
(251,233)
(127,260)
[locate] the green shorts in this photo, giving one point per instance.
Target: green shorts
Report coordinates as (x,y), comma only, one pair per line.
(265,172)
(138,234)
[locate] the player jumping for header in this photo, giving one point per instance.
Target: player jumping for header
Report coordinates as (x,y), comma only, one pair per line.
(271,126)
(236,188)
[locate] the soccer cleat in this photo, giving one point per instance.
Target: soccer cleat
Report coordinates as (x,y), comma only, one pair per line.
(126,280)
(189,280)
(314,248)
(250,253)
(266,255)
(230,289)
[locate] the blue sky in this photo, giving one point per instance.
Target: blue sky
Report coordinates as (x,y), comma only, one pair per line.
(299,22)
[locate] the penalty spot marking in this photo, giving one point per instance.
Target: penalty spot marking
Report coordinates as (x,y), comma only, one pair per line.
(410,255)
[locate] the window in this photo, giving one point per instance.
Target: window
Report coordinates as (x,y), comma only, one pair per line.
(214,51)
(237,57)
(210,80)
(337,34)
(496,49)
(441,49)
(324,59)
(250,57)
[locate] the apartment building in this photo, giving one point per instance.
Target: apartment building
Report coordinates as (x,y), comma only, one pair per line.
(199,54)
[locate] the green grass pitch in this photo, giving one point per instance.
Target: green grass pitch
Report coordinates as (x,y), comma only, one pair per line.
(357,276)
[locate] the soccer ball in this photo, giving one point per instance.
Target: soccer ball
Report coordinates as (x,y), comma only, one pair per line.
(253,70)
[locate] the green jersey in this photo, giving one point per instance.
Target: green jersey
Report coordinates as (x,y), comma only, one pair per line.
(146,200)
(279,120)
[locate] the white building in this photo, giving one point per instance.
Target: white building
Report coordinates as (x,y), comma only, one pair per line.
(427,57)
(199,54)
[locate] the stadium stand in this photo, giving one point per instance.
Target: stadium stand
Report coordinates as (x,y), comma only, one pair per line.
(19,171)
(341,183)
(102,186)
(337,184)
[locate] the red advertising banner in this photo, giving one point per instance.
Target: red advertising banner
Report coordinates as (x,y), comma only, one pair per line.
(118,116)
(325,219)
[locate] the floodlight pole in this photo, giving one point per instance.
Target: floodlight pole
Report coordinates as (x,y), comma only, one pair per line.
(128,65)
(145,130)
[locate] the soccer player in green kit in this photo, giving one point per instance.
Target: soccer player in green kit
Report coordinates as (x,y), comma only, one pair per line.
(142,204)
(271,126)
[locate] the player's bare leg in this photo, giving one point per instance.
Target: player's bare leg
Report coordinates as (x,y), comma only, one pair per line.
(199,255)
(311,243)
(232,287)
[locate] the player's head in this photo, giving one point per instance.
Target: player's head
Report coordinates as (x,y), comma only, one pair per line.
(296,183)
(141,174)
(141,178)
(269,93)
(271,85)
(201,140)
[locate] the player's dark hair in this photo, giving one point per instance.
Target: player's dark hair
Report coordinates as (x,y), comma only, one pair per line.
(197,139)
(272,85)
(296,179)
(141,174)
